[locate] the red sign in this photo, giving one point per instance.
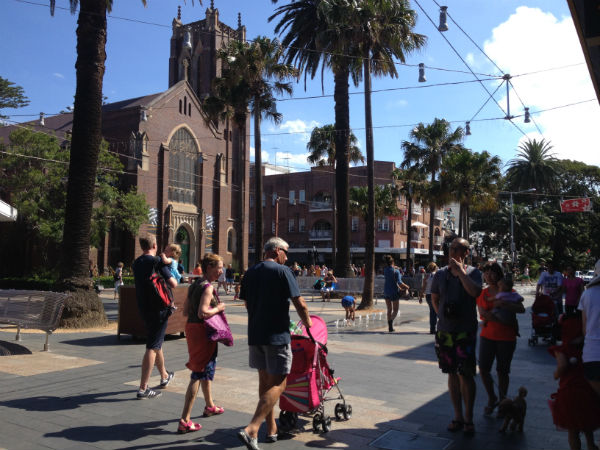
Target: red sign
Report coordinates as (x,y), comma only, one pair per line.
(576,205)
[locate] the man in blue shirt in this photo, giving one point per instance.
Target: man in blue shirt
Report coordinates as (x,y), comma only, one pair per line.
(267,289)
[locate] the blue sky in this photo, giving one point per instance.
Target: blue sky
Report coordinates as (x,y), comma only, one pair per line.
(518,36)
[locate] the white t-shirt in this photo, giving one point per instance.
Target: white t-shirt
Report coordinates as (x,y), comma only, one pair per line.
(590,304)
(428,282)
(550,282)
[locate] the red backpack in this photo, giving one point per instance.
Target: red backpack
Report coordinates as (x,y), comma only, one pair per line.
(161,293)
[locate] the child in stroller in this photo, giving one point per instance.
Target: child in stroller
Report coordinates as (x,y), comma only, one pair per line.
(544,320)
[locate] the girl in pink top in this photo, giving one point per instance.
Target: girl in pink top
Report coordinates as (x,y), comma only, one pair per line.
(573,287)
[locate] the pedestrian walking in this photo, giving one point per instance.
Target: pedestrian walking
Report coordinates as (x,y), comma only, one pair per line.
(453,293)
(202,302)
(550,283)
(427,282)
(393,288)
(573,287)
(589,304)
(267,289)
(154,316)
(118,278)
(229,278)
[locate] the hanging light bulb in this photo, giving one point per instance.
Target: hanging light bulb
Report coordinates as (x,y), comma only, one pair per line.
(527,115)
(468,128)
(42,119)
(422,78)
(187,39)
(443,19)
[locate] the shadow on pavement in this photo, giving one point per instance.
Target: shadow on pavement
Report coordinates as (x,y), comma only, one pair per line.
(109,339)
(10,348)
(52,403)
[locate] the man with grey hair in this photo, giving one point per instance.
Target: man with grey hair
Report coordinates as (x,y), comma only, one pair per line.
(267,289)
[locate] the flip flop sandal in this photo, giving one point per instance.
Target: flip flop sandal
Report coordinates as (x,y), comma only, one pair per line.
(455,425)
(187,427)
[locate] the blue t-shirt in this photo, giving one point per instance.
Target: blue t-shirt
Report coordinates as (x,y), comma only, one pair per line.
(267,289)
(142,269)
(392,280)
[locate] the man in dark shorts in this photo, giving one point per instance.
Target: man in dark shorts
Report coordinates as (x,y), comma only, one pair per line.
(267,289)
(154,318)
(453,293)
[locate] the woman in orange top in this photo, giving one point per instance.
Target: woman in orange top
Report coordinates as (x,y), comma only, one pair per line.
(498,340)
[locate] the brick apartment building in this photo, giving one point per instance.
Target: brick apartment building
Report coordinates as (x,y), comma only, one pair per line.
(298,207)
(194,175)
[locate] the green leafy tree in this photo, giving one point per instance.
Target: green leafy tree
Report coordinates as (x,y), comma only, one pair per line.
(11,96)
(386,201)
(534,167)
(321,146)
(320,33)
(253,74)
(426,150)
(34,174)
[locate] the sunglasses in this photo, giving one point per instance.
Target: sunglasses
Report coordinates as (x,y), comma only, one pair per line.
(284,251)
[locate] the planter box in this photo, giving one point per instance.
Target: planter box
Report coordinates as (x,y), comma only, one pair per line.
(130,321)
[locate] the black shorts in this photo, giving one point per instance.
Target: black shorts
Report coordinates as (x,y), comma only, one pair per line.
(591,370)
(156,325)
(501,351)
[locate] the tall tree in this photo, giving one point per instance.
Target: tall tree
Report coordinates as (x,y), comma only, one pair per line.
(428,146)
(319,33)
(384,32)
(321,146)
(534,167)
(11,96)
(253,74)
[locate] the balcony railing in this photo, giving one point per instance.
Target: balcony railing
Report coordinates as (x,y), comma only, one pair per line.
(416,209)
(438,240)
(438,215)
(315,235)
(415,236)
(320,206)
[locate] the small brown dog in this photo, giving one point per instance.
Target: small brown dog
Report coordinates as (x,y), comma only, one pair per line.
(513,410)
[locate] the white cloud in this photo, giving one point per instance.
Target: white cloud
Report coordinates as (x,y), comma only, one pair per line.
(393,104)
(59,75)
(292,160)
(299,129)
(532,40)
(470,59)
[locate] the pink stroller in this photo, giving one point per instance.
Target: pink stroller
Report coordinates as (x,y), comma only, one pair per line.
(310,381)
(544,320)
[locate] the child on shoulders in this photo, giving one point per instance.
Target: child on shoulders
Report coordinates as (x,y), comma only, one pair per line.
(170,257)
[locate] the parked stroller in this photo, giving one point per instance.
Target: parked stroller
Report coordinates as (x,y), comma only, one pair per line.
(311,380)
(544,320)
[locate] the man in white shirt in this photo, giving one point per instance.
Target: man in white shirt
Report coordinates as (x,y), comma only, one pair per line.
(550,284)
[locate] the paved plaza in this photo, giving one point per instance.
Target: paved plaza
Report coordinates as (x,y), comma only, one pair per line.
(81,395)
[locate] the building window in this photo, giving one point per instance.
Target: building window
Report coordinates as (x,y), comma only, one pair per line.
(231,241)
(301,224)
(273,198)
(383,224)
(264,200)
(184,167)
(292,197)
(354,223)
(251,228)
(251,200)
(302,196)
(291,226)
(273,227)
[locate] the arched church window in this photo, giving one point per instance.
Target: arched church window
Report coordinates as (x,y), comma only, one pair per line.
(183,170)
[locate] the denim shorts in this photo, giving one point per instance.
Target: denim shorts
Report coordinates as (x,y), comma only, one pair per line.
(156,326)
(275,359)
(501,351)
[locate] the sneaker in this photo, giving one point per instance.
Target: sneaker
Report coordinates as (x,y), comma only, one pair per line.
(148,393)
(164,383)
(250,442)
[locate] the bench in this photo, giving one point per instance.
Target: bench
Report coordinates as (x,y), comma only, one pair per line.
(347,286)
(32,309)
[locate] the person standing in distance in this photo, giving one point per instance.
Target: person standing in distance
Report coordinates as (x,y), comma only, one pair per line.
(267,289)
(453,293)
(155,319)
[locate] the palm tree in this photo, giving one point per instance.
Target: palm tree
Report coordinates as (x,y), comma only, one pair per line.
(84,305)
(322,153)
(534,167)
(472,179)
(412,185)
(319,33)
(430,144)
(384,32)
(246,81)
(385,202)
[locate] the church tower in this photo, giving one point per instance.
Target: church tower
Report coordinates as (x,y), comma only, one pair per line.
(194,49)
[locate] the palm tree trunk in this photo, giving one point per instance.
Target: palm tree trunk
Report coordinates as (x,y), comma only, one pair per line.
(460,222)
(342,145)
(258,189)
(409,230)
(431,218)
(367,297)
(84,308)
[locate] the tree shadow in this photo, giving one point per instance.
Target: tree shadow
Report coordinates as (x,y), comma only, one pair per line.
(113,340)
(48,403)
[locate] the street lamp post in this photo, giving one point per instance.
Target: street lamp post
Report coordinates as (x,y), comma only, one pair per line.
(512,229)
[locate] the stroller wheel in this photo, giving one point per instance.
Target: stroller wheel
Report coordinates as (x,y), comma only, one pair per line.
(339,411)
(317,418)
(326,424)
(348,412)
